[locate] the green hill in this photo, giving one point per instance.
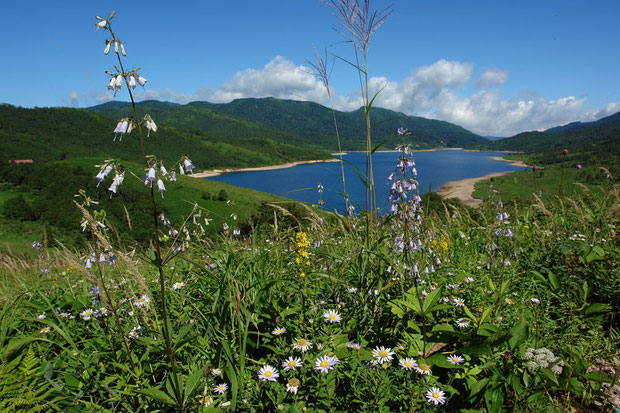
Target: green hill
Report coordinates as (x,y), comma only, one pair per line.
(587,143)
(297,122)
(47,134)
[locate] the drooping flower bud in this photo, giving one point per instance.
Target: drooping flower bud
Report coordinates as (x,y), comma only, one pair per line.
(181,170)
(123,50)
(107,48)
(163,170)
(100,24)
(115,47)
(189,166)
(160,187)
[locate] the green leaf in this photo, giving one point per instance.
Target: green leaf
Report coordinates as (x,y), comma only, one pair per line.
(597,308)
(553,281)
(158,395)
(192,382)
(519,334)
(477,387)
(431,299)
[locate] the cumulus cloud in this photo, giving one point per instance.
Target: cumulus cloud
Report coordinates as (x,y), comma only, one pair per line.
(492,77)
(435,91)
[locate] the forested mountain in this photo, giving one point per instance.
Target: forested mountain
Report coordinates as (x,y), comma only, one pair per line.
(301,121)
(597,141)
(59,133)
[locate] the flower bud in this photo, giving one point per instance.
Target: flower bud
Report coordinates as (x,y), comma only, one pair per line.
(100,24)
(115,47)
(107,48)
(163,171)
(123,50)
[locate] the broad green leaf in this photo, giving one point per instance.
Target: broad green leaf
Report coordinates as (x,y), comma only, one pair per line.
(519,334)
(157,395)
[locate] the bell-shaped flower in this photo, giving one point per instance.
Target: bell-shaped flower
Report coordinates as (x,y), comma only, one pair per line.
(121,128)
(116,182)
(102,259)
(132,82)
(131,126)
(112,83)
(160,187)
(149,124)
(189,166)
(89,264)
(101,24)
(141,81)
(105,171)
(118,82)
(181,170)
(107,47)
(162,170)
(173,176)
(150,176)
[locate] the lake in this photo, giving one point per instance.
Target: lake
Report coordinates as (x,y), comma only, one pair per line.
(300,182)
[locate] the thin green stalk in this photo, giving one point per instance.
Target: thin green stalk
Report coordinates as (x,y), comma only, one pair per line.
(158,257)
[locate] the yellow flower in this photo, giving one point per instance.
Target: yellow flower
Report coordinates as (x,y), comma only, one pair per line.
(526,227)
(302,274)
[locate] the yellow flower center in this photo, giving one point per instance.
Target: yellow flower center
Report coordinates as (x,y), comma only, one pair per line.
(332,316)
(436,395)
(292,363)
(302,343)
(268,373)
(407,363)
(324,363)
(383,353)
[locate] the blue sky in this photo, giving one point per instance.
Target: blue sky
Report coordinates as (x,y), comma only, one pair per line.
(494,67)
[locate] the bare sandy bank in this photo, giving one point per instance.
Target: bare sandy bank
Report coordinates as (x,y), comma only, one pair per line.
(216,172)
(464,188)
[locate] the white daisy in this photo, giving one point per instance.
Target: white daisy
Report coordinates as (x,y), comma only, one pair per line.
(178,285)
(87,314)
(332,316)
(144,300)
(292,385)
(278,331)
(302,344)
(291,363)
(423,369)
(220,388)
(382,354)
(455,360)
(135,332)
(352,290)
(459,302)
(41,316)
(325,363)
(462,323)
(44,330)
(436,396)
(408,363)
(509,301)
(535,300)
(268,373)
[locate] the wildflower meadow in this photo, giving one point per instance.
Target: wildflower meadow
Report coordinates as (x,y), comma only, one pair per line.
(509,307)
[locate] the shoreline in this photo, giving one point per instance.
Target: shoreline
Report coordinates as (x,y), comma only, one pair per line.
(215,172)
(463,189)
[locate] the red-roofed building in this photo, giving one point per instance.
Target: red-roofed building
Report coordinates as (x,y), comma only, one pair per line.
(21,161)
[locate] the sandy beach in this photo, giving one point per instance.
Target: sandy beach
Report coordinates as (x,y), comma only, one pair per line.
(464,188)
(216,172)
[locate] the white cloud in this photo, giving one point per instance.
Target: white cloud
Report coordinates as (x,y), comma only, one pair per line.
(435,91)
(492,77)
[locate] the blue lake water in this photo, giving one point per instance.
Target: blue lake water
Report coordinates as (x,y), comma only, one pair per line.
(300,182)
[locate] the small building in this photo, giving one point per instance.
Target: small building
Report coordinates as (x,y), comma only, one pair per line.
(21,161)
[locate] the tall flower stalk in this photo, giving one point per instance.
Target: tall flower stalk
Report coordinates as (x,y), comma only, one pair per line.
(360,23)
(130,78)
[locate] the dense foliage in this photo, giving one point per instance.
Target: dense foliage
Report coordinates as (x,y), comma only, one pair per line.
(307,121)
(60,133)
(512,312)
